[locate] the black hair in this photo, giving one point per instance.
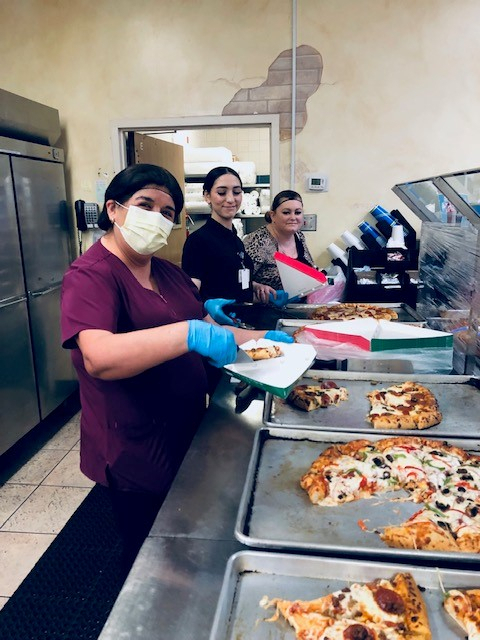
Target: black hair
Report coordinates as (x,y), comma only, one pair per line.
(214,174)
(280,198)
(283,196)
(136,177)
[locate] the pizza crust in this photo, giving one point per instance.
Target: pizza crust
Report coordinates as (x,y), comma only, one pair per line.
(264,353)
(419,535)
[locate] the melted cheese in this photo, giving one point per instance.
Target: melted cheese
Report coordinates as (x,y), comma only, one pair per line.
(337,629)
(360,600)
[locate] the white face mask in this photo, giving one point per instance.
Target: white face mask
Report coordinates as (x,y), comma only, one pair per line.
(144,231)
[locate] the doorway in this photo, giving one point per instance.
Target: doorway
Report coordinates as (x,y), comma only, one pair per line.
(252,142)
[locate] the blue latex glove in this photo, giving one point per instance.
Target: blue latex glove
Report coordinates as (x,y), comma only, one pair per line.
(278,336)
(214,308)
(216,343)
(281,299)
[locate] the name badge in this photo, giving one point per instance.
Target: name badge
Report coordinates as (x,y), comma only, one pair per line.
(244,278)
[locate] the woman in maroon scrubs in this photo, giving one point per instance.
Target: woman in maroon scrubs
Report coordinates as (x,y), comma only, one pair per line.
(138,330)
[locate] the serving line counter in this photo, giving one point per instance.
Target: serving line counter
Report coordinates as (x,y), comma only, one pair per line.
(173,587)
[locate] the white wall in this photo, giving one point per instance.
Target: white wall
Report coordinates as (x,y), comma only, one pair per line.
(399,97)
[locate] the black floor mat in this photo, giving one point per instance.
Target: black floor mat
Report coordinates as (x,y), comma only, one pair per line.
(72,588)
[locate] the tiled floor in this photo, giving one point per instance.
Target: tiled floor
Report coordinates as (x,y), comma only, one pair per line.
(35,503)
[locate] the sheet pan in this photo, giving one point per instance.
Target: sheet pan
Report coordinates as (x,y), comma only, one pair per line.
(458,398)
(404,311)
(252,574)
(276,513)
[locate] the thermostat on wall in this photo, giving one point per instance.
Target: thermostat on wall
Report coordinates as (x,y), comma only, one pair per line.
(317,182)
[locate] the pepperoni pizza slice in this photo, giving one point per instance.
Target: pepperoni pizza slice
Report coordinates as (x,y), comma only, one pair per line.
(378,610)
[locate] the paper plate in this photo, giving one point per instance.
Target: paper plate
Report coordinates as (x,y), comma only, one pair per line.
(278,375)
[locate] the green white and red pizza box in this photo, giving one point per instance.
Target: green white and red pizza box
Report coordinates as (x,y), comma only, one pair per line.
(380,335)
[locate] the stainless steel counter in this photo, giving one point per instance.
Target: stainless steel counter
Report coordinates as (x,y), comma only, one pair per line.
(173,588)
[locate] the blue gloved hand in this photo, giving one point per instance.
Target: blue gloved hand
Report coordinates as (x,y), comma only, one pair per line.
(281,299)
(279,336)
(214,308)
(216,343)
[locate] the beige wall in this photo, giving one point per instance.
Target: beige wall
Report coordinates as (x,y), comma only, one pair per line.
(399,97)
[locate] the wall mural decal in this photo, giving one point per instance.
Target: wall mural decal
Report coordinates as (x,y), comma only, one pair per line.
(275,94)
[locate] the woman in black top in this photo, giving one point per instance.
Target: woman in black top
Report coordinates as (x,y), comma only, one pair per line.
(214,256)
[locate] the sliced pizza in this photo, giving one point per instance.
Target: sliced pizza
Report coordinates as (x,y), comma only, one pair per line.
(445,478)
(352,310)
(378,610)
(463,606)
(408,405)
(310,397)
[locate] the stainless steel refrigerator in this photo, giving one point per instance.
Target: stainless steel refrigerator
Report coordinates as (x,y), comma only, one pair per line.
(36,374)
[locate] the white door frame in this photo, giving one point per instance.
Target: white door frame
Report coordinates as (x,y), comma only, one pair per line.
(118,129)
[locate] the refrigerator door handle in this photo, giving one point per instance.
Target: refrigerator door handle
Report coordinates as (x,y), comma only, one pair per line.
(7,302)
(43,292)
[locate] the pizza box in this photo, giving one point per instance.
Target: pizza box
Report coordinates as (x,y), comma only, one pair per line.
(277,375)
(250,575)
(298,279)
(380,335)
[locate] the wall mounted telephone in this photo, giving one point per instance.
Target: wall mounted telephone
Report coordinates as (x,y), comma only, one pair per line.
(87,215)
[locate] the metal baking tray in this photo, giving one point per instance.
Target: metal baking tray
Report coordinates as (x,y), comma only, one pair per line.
(276,513)
(458,399)
(404,311)
(252,574)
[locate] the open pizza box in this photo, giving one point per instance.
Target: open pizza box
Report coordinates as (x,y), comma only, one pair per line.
(380,335)
(279,375)
(298,279)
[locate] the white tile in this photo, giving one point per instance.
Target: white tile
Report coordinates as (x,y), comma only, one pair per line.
(38,467)
(11,497)
(46,510)
(3,602)
(18,554)
(67,473)
(67,437)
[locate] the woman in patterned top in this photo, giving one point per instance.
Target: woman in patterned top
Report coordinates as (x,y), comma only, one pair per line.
(281,233)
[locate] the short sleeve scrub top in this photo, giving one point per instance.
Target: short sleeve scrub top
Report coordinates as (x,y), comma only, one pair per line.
(138,428)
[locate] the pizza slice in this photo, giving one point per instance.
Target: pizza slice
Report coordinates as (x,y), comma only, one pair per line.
(310,397)
(408,405)
(463,606)
(380,609)
(264,353)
